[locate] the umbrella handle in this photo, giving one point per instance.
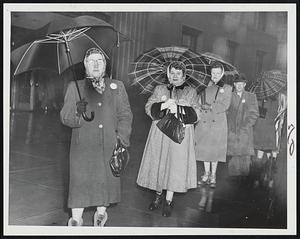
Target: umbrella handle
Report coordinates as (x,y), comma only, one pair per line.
(86,118)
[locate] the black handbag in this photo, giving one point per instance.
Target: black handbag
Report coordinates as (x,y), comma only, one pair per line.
(262,112)
(119,159)
(173,127)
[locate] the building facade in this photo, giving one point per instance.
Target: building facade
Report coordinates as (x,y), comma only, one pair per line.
(251,41)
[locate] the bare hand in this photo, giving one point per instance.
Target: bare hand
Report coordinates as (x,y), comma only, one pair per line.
(173,108)
(167,103)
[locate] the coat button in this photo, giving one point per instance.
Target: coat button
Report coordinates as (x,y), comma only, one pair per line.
(99,104)
(100,126)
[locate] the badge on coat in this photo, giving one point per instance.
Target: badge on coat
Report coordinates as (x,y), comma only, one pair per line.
(221,90)
(113,86)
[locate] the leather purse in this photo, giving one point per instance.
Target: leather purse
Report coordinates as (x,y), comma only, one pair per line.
(173,127)
(262,112)
(119,159)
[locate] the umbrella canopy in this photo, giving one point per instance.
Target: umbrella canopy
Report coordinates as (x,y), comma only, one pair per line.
(269,83)
(230,71)
(63,43)
(150,69)
(48,50)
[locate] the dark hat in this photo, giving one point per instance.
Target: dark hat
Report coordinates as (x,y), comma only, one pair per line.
(240,78)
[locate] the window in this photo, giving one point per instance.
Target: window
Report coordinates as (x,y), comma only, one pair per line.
(231,51)
(261,21)
(190,37)
(259,61)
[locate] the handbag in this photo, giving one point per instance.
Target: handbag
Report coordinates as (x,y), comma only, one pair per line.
(119,159)
(262,112)
(173,127)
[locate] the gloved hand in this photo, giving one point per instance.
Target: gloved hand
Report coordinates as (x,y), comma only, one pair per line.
(81,106)
(205,107)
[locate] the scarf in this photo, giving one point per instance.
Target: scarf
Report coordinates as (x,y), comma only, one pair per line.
(98,84)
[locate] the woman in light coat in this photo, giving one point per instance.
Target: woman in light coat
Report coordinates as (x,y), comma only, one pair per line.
(211,130)
(167,165)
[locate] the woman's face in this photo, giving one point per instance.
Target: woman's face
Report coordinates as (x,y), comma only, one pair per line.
(239,86)
(176,77)
(95,65)
(216,74)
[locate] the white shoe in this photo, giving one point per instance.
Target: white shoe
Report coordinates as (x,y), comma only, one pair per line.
(74,223)
(99,219)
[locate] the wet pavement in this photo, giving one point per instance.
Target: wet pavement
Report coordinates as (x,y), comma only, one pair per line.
(38,184)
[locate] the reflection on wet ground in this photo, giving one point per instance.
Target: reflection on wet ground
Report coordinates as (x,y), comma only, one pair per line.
(38,165)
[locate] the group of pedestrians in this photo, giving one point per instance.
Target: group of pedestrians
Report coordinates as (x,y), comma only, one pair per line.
(217,122)
(219,125)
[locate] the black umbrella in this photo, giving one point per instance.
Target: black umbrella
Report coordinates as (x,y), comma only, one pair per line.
(63,43)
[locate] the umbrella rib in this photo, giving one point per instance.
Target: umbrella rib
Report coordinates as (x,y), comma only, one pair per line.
(58,60)
(24,56)
(77,33)
(148,69)
(95,44)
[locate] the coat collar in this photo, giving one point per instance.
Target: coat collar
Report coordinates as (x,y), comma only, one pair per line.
(180,87)
(221,83)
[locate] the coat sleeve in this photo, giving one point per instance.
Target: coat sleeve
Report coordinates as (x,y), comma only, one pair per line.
(124,116)
(253,112)
(221,104)
(192,111)
(154,98)
(68,112)
(156,111)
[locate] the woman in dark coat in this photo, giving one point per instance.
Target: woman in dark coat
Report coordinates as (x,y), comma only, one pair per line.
(242,115)
(211,130)
(91,180)
(265,138)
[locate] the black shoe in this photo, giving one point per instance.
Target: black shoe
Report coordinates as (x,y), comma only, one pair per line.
(167,208)
(155,203)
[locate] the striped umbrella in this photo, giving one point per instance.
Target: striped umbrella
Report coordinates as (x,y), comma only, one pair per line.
(269,83)
(150,68)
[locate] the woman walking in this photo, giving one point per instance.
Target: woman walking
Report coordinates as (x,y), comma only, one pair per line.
(167,165)
(211,130)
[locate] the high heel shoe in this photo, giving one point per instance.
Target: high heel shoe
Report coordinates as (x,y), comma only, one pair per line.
(212,181)
(74,223)
(167,208)
(204,179)
(156,202)
(100,219)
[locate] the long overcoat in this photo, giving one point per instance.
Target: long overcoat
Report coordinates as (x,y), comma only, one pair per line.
(241,116)
(264,131)
(92,143)
(167,165)
(211,129)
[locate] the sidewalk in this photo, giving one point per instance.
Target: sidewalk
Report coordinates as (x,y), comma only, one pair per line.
(39,182)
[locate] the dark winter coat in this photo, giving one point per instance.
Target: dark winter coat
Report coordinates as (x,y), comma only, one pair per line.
(92,143)
(241,116)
